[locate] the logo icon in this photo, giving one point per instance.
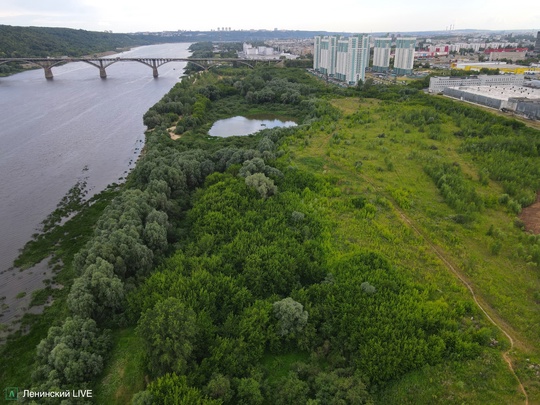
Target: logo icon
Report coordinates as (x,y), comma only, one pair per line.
(11,393)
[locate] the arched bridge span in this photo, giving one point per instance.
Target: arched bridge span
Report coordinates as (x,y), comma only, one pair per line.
(154,63)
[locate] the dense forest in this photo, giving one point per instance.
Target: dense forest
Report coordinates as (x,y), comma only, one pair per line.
(277,268)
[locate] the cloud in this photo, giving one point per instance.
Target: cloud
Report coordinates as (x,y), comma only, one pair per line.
(51,13)
(33,7)
(157,15)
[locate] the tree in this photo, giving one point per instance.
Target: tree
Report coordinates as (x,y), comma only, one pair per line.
(291,315)
(367,288)
(338,388)
(292,390)
(266,144)
(249,392)
(96,291)
(219,387)
(155,236)
(257,165)
(169,331)
(264,186)
(142,398)
(70,354)
(172,389)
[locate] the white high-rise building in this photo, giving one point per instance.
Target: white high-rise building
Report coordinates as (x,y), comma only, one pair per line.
(344,59)
(352,58)
(404,58)
(324,57)
(381,54)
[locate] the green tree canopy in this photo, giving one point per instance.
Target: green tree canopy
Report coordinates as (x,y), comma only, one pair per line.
(169,331)
(291,315)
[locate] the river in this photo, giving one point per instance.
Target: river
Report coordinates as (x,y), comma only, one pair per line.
(54,133)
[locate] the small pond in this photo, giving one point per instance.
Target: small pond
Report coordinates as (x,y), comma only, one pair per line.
(239,126)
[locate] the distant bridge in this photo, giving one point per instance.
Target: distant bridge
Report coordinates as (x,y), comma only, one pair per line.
(102,63)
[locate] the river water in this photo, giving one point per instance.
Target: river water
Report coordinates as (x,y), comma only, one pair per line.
(54,133)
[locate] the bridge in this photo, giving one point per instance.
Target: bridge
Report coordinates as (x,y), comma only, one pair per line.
(102,63)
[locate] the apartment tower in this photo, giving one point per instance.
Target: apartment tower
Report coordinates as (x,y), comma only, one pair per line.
(381,54)
(344,59)
(404,57)
(352,58)
(324,56)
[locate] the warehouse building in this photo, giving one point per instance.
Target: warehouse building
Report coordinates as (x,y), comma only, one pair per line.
(438,84)
(519,99)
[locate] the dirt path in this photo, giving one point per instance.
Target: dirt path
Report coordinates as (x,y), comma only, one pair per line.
(483,306)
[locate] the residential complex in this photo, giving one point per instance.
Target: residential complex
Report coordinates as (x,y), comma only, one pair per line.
(404,57)
(344,59)
(381,54)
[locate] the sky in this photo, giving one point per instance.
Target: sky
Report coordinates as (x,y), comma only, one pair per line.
(353,15)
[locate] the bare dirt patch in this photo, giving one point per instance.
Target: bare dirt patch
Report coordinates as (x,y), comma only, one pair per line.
(531,216)
(173,136)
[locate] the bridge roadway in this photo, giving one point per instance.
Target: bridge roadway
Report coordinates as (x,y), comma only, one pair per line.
(102,63)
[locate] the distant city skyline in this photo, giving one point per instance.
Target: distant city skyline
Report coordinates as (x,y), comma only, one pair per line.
(351,16)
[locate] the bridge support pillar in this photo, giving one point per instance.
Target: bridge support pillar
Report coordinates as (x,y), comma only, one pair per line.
(48,72)
(154,71)
(102,73)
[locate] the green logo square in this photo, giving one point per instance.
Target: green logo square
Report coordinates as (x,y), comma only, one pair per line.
(11,394)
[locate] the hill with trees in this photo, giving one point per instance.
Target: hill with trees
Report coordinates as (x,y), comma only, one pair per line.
(40,42)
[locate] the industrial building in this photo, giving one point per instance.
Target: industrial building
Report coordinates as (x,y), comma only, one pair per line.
(404,57)
(381,54)
(502,66)
(512,54)
(521,100)
(439,83)
(344,59)
(259,52)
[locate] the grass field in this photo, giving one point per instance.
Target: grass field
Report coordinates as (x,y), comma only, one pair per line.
(371,152)
(124,375)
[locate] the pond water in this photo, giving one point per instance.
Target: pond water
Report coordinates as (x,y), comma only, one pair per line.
(241,126)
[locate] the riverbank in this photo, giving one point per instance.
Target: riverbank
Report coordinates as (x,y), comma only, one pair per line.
(78,130)
(44,267)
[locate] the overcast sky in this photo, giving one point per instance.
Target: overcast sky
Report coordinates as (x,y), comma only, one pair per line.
(353,15)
